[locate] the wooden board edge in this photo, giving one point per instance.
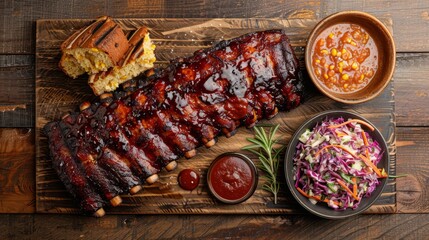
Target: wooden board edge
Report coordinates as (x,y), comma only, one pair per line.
(38,129)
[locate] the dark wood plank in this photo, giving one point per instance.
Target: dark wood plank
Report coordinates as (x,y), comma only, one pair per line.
(413,195)
(20,38)
(17,170)
(18,20)
(17,37)
(17,96)
(16,153)
(17,91)
(412,90)
(42,226)
(241,9)
(407,17)
(18,17)
(180,37)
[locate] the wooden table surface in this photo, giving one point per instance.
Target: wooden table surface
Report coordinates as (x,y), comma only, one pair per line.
(410,21)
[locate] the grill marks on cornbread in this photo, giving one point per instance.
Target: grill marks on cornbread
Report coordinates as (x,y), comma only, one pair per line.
(136,48)
(138,58)
(96,48)
(104,52)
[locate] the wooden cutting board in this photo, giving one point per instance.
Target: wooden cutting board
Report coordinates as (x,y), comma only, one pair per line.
(56,94)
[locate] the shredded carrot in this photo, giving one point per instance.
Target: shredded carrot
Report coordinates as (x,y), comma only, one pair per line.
(354,186)
(381,173)
(347,189)
(365,141)
(302,192)
(338,146)
(367,154)
(341,134)
(370,164)
(318,198)
(354,120)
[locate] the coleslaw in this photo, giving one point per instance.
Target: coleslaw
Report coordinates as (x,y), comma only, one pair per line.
(336,163)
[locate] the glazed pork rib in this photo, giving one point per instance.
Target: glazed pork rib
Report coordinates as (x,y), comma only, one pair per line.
(113,146)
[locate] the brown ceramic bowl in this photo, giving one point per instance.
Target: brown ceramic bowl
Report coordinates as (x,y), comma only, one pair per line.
(386,55)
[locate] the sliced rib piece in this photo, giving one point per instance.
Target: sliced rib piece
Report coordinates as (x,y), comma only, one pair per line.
(69,172)
(86,154)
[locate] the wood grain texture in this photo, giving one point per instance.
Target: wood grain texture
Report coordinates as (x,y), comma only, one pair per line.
(18,26)
(410,20)
(18,40)
(18,20)
(413,161)
(18,17)
(302,227)
(412,89)
(17,177)
(17,91)
(56,95)
(406,16)
(17,94)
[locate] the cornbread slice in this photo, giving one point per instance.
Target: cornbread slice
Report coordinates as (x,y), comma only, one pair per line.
(139,57)
(93,49)
(70,66)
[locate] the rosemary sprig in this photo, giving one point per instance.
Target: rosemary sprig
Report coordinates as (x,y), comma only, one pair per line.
(264,146)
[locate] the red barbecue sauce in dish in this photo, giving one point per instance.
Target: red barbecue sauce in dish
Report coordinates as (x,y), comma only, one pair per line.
(232,178)
(188,179)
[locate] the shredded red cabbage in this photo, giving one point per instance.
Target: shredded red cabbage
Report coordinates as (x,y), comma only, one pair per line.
(318,171)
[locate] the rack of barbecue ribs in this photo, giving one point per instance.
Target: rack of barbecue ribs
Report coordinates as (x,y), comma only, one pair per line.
(113,146)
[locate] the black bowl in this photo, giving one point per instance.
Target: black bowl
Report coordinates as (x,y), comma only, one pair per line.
(322,209)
